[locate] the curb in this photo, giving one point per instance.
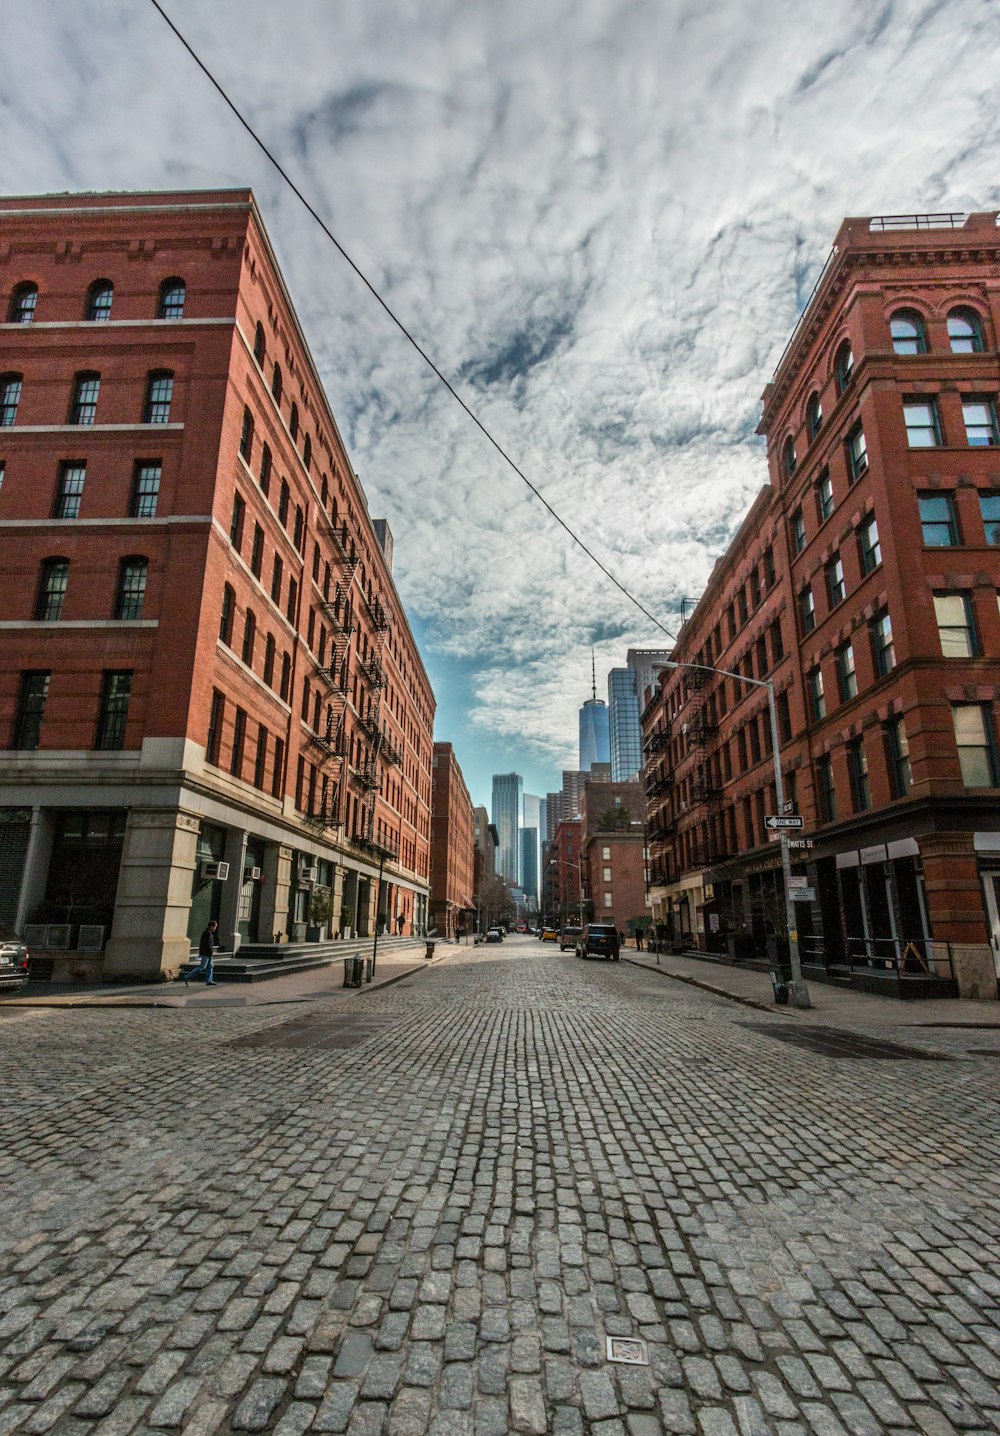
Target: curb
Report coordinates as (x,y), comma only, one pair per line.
(399,976)
(770,1007)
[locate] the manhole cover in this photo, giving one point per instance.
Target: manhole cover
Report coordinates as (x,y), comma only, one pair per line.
(328,1034)
(830,1042)
(628,1349)
(984,1052)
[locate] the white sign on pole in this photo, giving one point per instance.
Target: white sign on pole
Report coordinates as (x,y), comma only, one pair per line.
(803,895)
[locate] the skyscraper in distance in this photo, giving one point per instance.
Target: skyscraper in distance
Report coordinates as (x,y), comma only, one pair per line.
(508,796)
(595,745)
(626,690)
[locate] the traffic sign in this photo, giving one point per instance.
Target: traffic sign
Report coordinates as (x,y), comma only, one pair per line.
(803,894)
(795,882)
(791,821)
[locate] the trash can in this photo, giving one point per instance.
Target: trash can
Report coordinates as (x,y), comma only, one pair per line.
(780,987)
(353,968)
(430,950)
(369,968)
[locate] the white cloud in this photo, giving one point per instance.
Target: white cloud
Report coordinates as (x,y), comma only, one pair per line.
(600,216)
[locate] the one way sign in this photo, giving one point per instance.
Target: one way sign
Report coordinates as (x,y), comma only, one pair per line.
(792,821)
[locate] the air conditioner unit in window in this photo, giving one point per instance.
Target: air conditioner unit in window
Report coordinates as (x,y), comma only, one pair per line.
(219,871)
(308,875)
(251,875)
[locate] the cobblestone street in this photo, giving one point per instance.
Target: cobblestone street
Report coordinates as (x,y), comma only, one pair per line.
(425,1208)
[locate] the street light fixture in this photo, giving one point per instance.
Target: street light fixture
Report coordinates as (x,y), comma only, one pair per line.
(579,877)
(798,992)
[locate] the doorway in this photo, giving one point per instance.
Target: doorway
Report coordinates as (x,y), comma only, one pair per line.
(991,889)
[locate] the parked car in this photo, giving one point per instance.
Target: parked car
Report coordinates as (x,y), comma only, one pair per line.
(13,961)
(494,935)
(568,937)
(599,939)
(549,934)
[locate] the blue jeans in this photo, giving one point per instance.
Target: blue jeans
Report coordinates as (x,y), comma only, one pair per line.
(205,966)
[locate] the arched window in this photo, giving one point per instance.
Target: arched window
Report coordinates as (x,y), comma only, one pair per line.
(814,416)
(22,304)
(844,366)
(10,397)
(276,384)
(249,637)
(172,295)
(906,330)
(788,457)
(307,452)
(228,614)
(246,435)
(131,593)
(283,504)
(52,583)
(100,297)
(965,331)
(300,527)
(259,347)
(325,491)
(265,470)
(293,421)
(159,396)
(269,660)
(83,407)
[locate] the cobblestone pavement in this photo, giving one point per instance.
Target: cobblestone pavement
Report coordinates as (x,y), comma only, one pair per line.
(424,1210)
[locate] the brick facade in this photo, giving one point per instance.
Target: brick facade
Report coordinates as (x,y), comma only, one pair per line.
(277,714)
(453,845)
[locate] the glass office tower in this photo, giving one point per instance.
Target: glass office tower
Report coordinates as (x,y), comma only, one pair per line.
(508,798)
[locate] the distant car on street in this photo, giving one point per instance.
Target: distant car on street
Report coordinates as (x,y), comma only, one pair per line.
(599,939)
(494,935)
(568,937)
(13,961)
(549,934)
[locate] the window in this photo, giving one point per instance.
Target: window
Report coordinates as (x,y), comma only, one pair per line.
(10,397)
(798,531)
(906,329)
(236,521)
(293,596)
(836,589)
(938,523)
(857,767)
(980,417)
(69,491)
(293,421)
(976,748)
(100,297)
(989,508)
(249,637)
(814,416)
(131,587)
(299,533)
(215,717)
(307,452)
(3,471)
(843,366)
(607,899)
(145,491)
(923,431)
(279,767)
(159,395)
(807,610)
(847,678)
(116,690)
(869,547)
(824,495)
(259,347)
(956,626)
(825,788)
(788,457)
(172,296)
(30,711)
(817,696)
(277,571)
(898,758)
(283,501)
(246,435)
(784,717)
(286,677)
(857,453)
(228,614)
(265,470)
(22,304)
(770,577)
(257,552)
(239,740)
(882,644)
(83,409)
(777,643)
(260,761)
(965,332)
(52,589)
(269,660)
(276,384)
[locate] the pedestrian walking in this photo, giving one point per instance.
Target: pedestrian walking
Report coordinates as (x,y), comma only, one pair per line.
(206,953)
(638,939)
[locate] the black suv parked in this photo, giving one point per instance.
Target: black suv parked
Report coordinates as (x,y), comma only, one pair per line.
(599,939)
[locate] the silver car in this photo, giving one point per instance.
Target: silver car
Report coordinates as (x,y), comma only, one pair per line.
(13,961)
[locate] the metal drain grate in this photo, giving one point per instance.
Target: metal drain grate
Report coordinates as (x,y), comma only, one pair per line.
(830,1042)
(327,1034)
(216,1002)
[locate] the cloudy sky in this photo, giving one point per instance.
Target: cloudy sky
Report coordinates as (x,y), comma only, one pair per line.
(600,216)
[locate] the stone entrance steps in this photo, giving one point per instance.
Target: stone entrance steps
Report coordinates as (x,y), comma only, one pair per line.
(262,962)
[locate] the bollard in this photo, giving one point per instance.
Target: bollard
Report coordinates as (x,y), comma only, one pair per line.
(353,968)
(369,968)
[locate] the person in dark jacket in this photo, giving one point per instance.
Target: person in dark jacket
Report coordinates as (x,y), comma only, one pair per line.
(206,953)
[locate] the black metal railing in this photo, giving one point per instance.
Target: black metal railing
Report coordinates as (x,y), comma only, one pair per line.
(905,958)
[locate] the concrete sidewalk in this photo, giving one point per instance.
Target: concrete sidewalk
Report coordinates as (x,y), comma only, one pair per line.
(311,985)
(833,1005)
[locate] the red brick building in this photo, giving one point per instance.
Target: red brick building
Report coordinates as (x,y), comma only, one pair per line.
(614,854)
(212,702)
(865,585)
(453,846)
(564,867)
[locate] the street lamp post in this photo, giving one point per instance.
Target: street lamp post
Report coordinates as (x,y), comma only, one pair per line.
(798,992)
(579,877)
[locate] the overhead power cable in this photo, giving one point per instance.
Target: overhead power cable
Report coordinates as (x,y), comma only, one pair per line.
(441,377)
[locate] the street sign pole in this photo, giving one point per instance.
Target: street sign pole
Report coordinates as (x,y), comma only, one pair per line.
(798,993)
